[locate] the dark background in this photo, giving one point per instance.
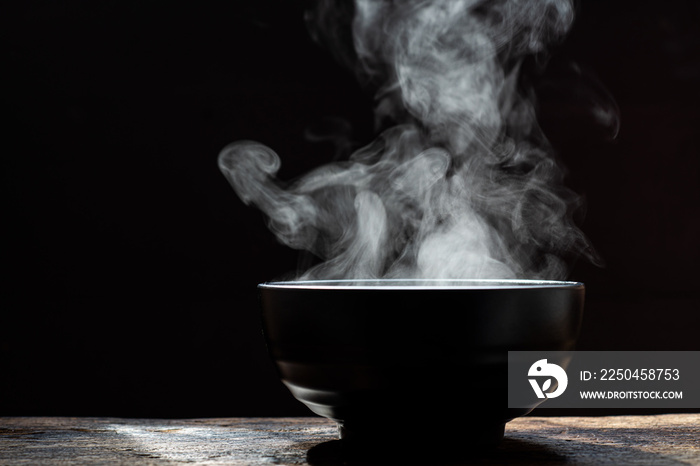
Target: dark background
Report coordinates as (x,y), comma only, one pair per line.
(130,266)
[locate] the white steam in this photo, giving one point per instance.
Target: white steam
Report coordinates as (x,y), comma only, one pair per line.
(460,183)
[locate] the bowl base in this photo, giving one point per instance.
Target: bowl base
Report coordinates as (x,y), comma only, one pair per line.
(364,447)
(421,437)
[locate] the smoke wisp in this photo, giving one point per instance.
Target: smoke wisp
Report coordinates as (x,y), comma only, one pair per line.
(461,182)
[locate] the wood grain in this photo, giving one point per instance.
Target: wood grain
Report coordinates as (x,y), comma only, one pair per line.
(672,439)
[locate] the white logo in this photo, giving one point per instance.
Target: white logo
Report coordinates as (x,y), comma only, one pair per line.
(542,368)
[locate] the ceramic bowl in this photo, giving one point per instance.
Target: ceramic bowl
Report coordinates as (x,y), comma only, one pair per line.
(403,361)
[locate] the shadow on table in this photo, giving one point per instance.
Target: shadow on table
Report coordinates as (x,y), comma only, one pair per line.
(512,451)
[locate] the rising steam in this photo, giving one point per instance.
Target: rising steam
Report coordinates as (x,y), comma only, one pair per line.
(461,183)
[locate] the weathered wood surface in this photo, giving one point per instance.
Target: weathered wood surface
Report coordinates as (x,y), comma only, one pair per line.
(658,440)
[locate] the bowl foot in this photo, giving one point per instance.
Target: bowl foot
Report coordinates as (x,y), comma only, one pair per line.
(422,440)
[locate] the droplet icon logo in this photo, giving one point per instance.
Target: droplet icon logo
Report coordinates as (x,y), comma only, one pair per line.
(542,368)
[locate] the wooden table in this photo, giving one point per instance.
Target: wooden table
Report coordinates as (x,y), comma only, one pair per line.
(658,440)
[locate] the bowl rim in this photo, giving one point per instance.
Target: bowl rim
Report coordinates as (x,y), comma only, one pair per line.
(421,284)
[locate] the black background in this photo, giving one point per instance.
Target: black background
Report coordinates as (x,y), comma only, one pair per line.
(130,266)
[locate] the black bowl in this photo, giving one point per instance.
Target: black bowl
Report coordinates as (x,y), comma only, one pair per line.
(398,361)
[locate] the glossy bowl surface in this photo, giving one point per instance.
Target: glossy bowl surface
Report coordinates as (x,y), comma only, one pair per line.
(426,357)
